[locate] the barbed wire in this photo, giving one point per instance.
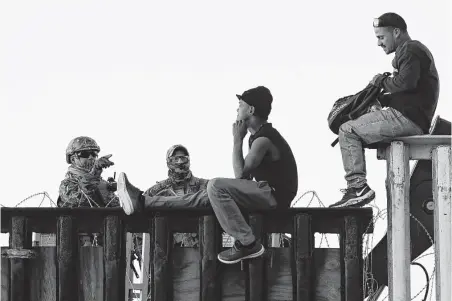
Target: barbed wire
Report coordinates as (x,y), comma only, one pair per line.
(381,214)
(44,195)
(315,194)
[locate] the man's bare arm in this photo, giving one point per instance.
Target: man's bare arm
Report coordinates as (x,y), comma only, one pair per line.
(237,158)
(255,156)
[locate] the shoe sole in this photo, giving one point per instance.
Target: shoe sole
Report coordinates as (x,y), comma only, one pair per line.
(359,201)
(124,199)
(254,255)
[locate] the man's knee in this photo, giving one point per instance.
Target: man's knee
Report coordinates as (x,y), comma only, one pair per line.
(216,184)
(346,127)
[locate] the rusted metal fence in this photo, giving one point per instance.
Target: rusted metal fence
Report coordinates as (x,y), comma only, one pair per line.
(72,273)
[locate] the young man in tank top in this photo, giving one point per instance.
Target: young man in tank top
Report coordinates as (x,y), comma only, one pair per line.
(270,162)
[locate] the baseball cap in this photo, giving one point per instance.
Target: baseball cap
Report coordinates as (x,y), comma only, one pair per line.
(174,148)
(390,20)
(260,98)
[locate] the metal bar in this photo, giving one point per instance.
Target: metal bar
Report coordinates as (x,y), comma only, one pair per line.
(163,286)
(67,249)
(304,247)
(129,276)
(114,259)
(18,278)
(353,281)
(256,270)
(146,263)
(209,246)
(399,249)
(441,170)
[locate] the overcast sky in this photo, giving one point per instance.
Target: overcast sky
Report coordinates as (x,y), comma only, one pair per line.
(140,76)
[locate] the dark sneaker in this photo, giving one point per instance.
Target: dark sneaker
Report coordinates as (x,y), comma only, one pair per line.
(356,197)
(129,196)
(238,252)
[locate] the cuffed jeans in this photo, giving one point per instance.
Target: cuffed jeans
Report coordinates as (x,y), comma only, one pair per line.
(370,128)
(224,196)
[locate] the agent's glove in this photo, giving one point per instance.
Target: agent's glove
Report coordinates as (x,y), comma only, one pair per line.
(100,164)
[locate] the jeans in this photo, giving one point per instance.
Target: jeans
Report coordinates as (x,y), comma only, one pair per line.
(373,127)
(224,196)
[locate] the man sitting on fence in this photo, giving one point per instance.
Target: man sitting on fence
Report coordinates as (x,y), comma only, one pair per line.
(409,105)
(269,161)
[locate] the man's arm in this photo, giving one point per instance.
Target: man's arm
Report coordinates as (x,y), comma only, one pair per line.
(203,183)
(157,188)
(407,77)
(254,158)
(237,158)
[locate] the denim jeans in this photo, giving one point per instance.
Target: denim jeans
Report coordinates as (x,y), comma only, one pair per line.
(373,127)
(224,196)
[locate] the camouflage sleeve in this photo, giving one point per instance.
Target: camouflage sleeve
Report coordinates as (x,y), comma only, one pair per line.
(154,189)
(203,184)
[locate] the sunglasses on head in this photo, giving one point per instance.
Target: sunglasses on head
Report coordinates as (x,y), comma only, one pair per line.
(87,154)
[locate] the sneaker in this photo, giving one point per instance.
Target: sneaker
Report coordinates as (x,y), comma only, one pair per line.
(129,196)
(356,197)
(238,252)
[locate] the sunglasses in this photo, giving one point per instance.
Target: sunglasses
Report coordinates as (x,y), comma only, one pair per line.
(183,159)
(87,154)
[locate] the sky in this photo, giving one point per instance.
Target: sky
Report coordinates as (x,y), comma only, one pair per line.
(140,76)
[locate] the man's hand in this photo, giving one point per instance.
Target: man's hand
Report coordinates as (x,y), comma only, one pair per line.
(376,81)
(239,130)
(101,163)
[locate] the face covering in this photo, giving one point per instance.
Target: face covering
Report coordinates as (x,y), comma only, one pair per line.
(179,168)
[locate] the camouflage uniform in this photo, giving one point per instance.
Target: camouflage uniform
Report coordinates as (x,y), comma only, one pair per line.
(180,181)
(84,187)
(80,187)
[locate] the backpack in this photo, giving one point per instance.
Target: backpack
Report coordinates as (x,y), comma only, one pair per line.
(353,106)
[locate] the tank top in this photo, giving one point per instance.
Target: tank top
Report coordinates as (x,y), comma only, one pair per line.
(281,175)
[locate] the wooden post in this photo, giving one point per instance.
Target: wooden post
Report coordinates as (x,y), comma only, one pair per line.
(19,239)
(303,255)
(443,221)
(256,289)
(163,286)
(399,249)
(67,255)
(114,259)
(208,243)
(352,245)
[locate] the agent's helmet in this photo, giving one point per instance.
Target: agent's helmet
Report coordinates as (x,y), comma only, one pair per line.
(80,144)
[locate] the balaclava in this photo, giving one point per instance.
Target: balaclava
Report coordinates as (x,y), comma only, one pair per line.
(178,171)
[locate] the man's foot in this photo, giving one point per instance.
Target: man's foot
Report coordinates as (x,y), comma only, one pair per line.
(356,197)
(239,252)
(129,196)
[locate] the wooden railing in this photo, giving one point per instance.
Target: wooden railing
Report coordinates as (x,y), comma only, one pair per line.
(397,155)
(212,280)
